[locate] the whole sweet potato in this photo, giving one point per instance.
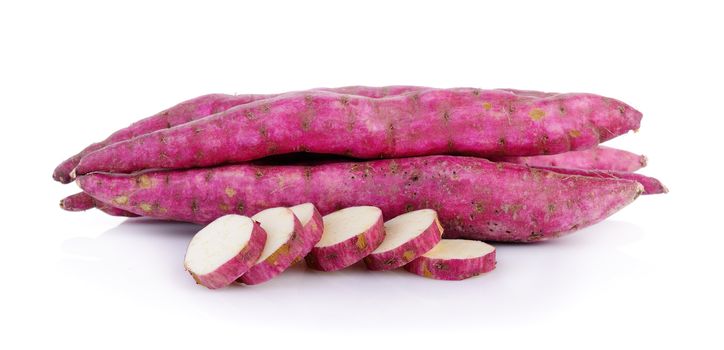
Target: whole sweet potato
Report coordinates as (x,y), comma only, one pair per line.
(474,198)
(599,158)
(198,108)
(435,121)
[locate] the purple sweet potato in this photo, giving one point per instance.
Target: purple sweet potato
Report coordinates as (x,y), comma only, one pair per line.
(284,242)
(201,107)
(454,260)
(474,198)
(435,121)
(224,250)
(82,201)
(349,235)
(599,158)
(407,236)
(650,184)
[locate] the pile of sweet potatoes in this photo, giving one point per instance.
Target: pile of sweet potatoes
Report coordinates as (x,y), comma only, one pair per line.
(497,165)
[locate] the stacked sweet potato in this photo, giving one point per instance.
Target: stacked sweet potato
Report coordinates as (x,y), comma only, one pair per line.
(496,165)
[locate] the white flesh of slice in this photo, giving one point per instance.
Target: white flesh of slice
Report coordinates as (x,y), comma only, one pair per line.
(217,243)
(347,223)
(405,228)
(459,249)
(303,212)
(279,226)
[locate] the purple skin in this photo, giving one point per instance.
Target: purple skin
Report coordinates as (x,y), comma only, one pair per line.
(198,108)
(82,201)
(278,261)
(599,158)
(651,185)
(474,198)
(313,231)
(237,266)
(348,252)
(407,252)
(452,269)
(436,121)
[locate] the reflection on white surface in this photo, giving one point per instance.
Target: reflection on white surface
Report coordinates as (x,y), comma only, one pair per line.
(145,258)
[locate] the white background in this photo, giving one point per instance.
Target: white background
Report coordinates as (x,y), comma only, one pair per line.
(72,72)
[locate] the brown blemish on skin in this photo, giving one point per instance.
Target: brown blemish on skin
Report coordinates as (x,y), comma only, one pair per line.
(344,100)
(536,114)
(281,252)
(439,265)
(265,108)
(258,174)
(487,106)
(361,241)
(224,207)
(208,175)
(145,207)
(120,200)
(162,139)
(240,207)
(476,92)
(409,208)
(394,167)
(194,206)
(197,130)
(426,271)
(551,208)
(230,192)
(249,114)
(562,109)
(574,133)
(446,116)
(308,173)
(408,255)
(478,207)
(143,181)
(621,109)
(166,179)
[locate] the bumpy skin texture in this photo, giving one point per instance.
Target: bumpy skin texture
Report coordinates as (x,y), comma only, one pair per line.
(82,201)
(452,269)
(436,121)
(348,252)
(201,107)
(313,231)
(600,158)
(231,270)
(407,252)
(650,184)
(474,198)
(278,261)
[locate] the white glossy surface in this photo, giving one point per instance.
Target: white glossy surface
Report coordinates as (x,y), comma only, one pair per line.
(217,243)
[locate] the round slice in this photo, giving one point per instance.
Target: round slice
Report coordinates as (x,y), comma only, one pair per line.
(349,235)
(223,250)
(407,236)
(454,259)
(285,239)
(313,226)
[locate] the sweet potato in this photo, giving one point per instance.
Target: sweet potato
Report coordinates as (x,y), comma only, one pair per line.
(454,259)
(599,158)
(201,107)
(435,121)
(284,242)
(349,235)
(474,198)
(650,184)
(224,250)
(82,201)
(407,236)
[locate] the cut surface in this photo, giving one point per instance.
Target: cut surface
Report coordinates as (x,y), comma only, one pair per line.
(303,212)
(347,223)
(279,226)
(404,228)
(217,243)
(459,249)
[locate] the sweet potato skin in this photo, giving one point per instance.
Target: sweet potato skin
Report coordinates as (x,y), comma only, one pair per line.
(435,121)
(599,158)
(200,107)
(474,198)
